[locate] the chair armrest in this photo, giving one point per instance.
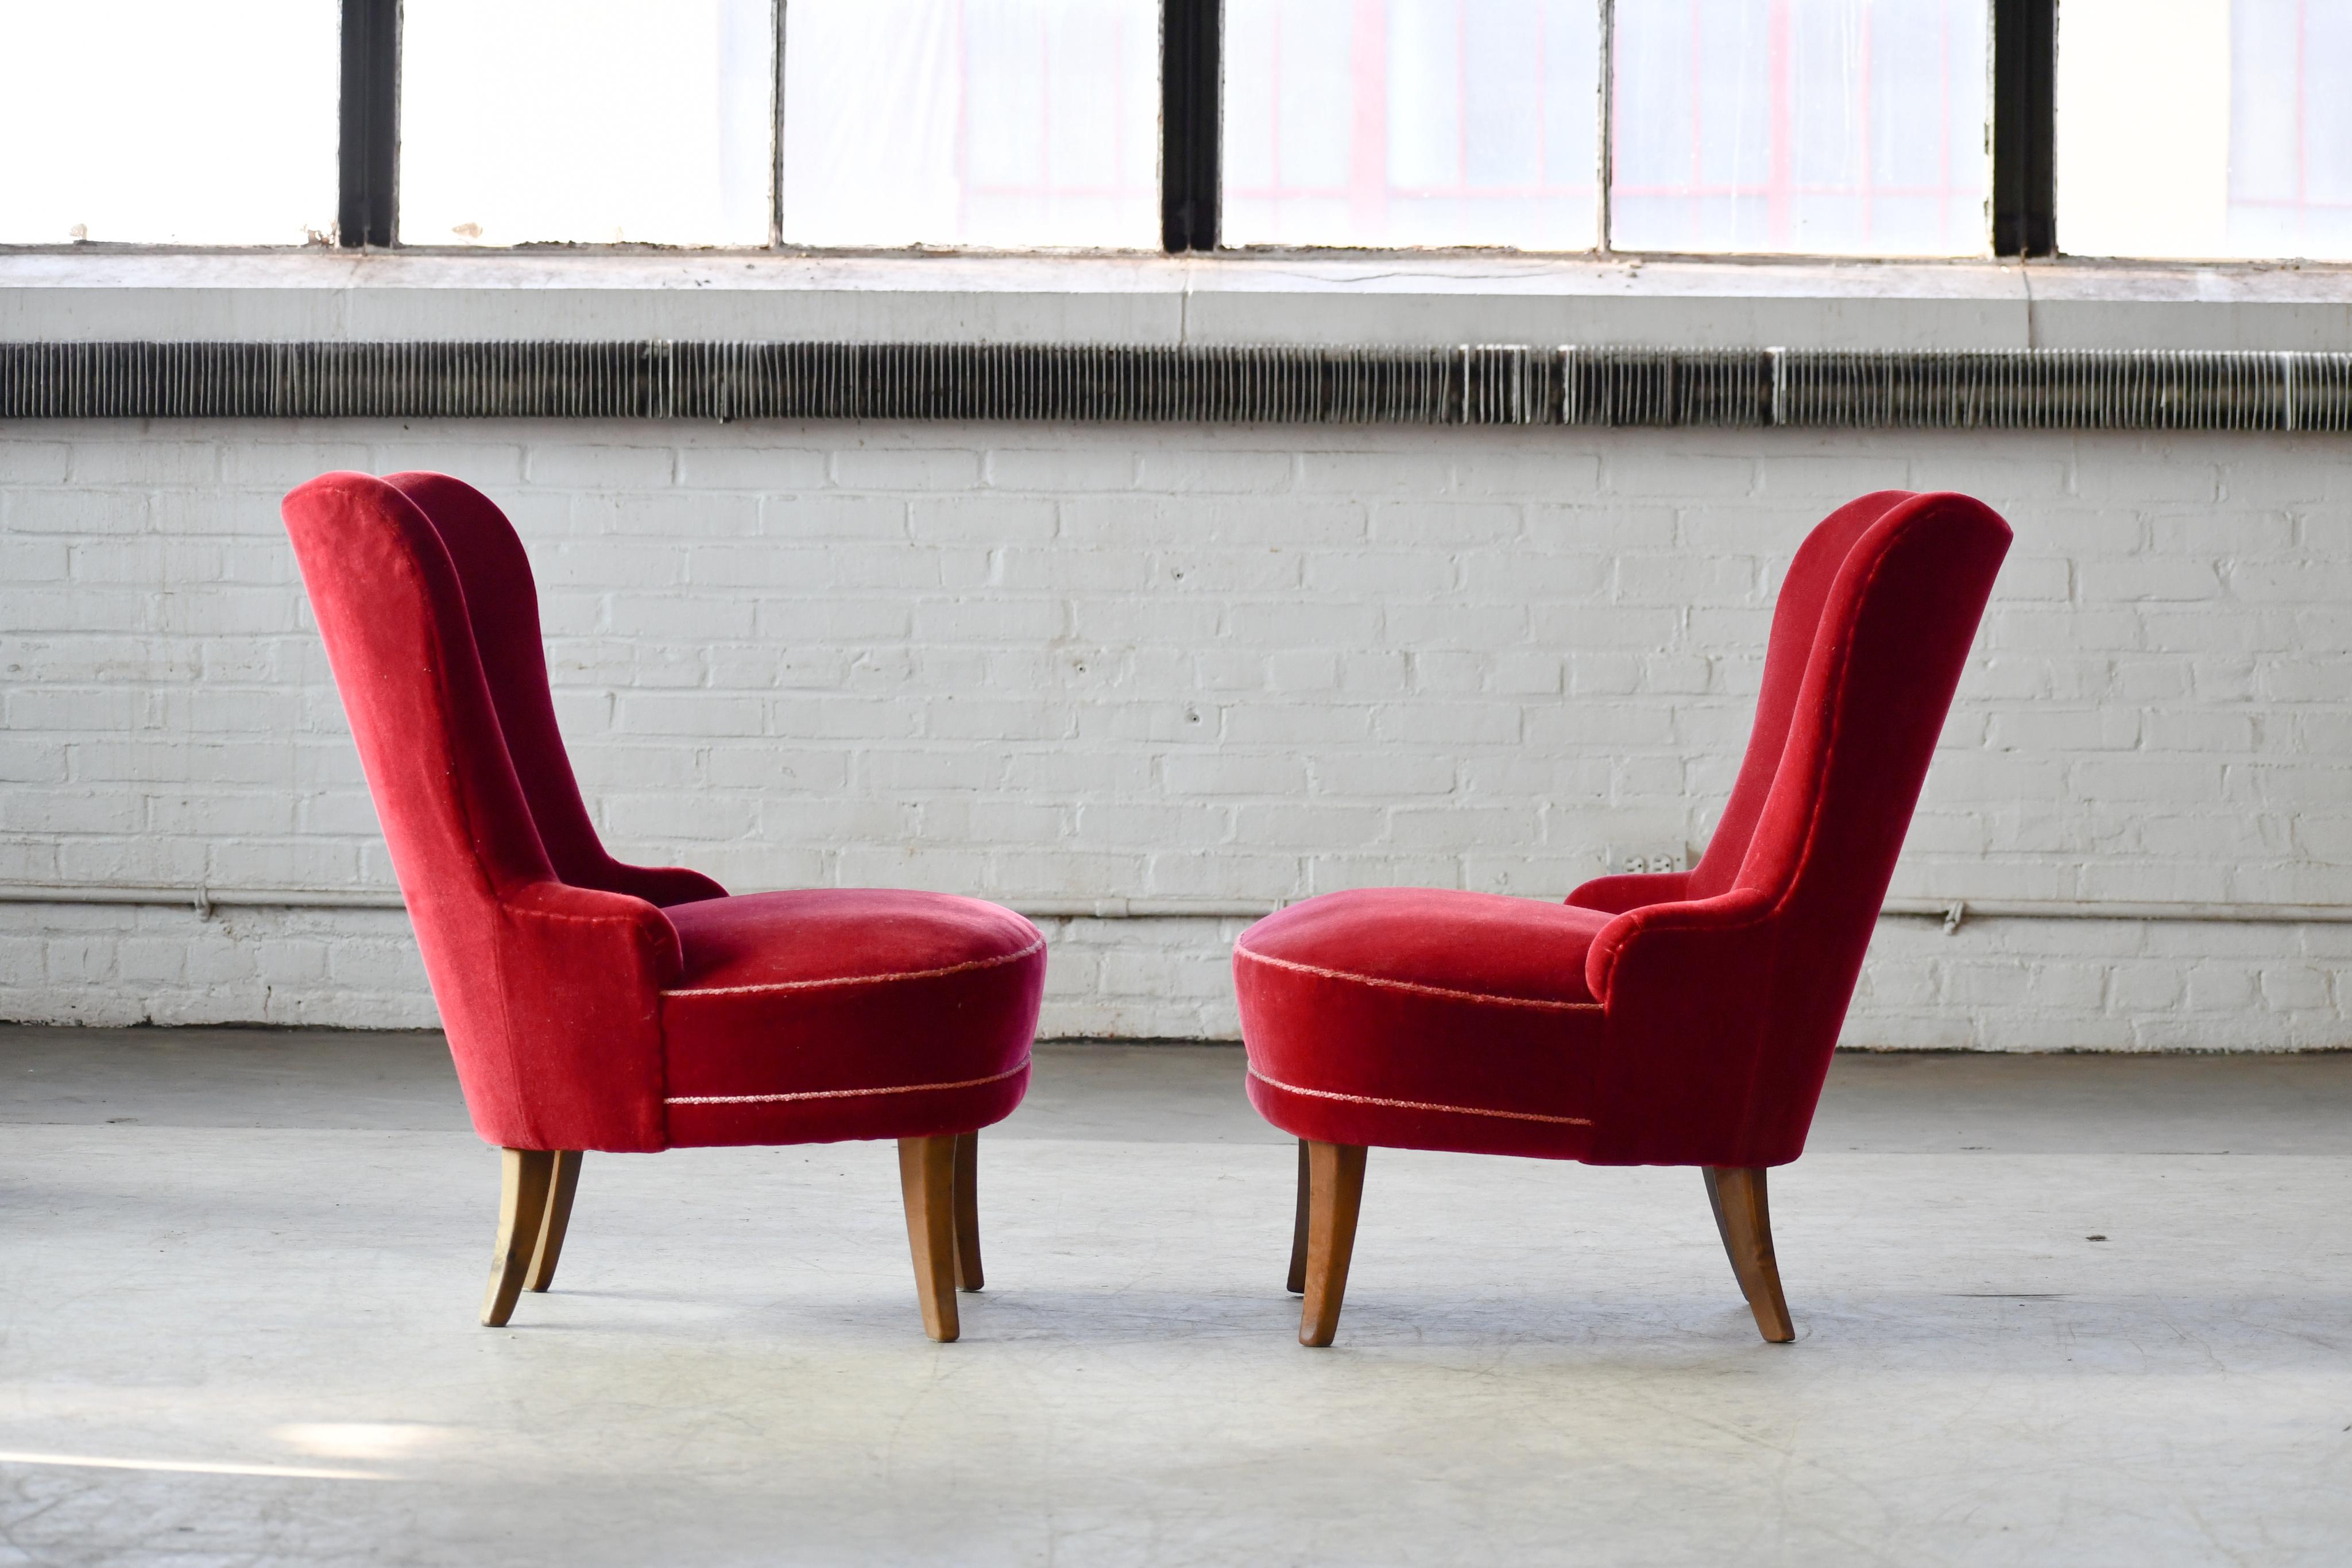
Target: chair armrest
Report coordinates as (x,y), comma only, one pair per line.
(1687,993)
(581,973)
(633,922)
(663,886)
(1616,894)
(1700,924)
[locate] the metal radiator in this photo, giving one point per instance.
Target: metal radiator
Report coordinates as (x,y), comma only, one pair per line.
(1470,384)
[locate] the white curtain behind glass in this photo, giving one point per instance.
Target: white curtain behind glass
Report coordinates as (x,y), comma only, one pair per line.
(986,122)
(1394,123)
(1830,125)
(585,120)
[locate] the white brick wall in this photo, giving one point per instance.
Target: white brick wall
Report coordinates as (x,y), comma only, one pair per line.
(1047,664)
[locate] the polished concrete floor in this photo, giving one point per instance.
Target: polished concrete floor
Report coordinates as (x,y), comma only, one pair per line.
(2075,1310)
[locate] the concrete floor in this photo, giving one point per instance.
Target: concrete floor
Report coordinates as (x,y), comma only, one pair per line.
(239,1273)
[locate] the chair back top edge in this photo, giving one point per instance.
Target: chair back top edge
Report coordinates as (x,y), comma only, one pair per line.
(1861,701)
(502,611)
(392,611)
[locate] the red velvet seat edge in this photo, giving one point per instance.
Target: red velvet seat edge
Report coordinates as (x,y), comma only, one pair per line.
(594,1005)
(1699,1026)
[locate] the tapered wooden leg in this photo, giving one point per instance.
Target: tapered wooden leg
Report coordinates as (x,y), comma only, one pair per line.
(969,1275)
(1715,1202)
(525,1176)
(1297,1286)
(1744,1220)
(555,1222)
(927,1182)
(1335,1178)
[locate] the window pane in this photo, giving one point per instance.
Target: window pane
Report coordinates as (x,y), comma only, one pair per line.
(2205,128)
(589,120)
(163,122)
(988,122)
(1386,122)
(1847,127)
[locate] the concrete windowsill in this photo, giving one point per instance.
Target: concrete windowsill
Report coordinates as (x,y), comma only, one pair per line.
(1361,299)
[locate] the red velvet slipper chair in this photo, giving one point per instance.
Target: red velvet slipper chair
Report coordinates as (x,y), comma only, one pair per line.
(1684,1018)
(592,1005)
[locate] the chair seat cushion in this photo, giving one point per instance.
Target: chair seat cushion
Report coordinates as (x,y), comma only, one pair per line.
(847,1013)
(1421,1017)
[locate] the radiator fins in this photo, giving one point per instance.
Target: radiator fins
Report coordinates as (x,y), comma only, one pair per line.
(1472,384)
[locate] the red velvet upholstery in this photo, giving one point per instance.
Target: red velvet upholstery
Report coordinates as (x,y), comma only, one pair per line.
(592,1005)
(1683,1019)
(778,1039)
(502,610)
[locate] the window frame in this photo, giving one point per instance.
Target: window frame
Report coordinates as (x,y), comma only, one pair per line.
(2023,115)
(367,206)
(2021,219)
(1191,124)
(2021,128)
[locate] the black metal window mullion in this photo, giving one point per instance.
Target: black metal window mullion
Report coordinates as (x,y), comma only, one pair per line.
(2024,127)
(776,126)
(1605,140)
(367,210)
(1190,81)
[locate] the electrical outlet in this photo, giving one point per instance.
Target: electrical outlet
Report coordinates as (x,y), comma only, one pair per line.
(1648,859)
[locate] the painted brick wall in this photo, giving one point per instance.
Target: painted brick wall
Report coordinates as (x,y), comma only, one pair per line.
(1045,664)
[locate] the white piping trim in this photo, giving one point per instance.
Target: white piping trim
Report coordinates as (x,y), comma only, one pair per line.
(858,979)
(1416,1104)
(841,1093)
(1416,988)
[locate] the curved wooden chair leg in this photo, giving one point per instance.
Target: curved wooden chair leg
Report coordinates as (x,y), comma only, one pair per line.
(1744,1219)
(1298,1283)
(927,1184)
(525,1176)
(969,1275)
(1715,1202)
(555,1222)
(1335,1194)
